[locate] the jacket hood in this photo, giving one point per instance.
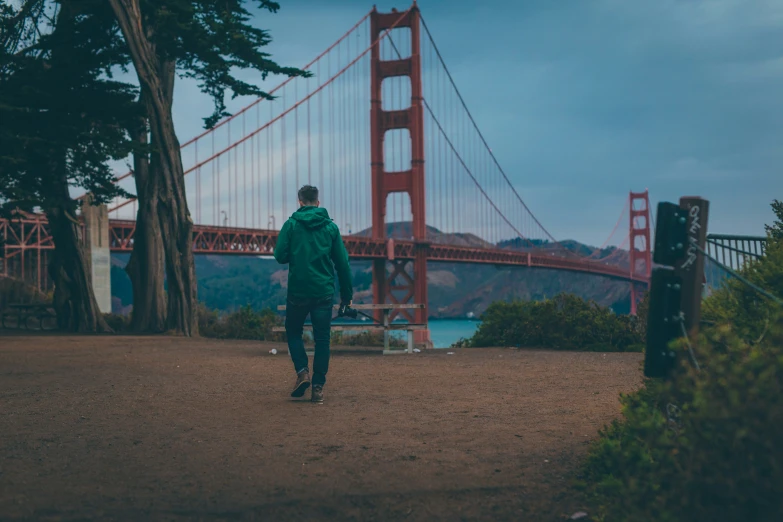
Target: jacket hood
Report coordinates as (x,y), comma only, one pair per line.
(312,218)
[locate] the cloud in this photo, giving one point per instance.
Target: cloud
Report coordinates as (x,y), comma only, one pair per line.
(692,169)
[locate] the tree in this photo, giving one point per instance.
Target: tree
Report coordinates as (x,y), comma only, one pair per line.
(63,118)
(776,229)
(206,41)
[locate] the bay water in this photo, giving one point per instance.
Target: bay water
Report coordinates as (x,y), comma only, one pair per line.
(445,332)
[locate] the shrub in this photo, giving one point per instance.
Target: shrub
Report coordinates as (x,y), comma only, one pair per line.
(565,322)
(16,291)
(118,323)
(208,321)
(365,338)
(702,446)
(245,323)
(461,343)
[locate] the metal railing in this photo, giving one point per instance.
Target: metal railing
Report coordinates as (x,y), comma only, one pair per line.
(735,251)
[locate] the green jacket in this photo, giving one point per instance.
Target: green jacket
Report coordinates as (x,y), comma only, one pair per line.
(311,244)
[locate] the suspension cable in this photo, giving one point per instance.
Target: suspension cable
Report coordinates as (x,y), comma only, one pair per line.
(481,136)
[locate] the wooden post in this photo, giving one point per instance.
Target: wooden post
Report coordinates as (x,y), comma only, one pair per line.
(410,341)
(691,268)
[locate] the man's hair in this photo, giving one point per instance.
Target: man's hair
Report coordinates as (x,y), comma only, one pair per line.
(308,195)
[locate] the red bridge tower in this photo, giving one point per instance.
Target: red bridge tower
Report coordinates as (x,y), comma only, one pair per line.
(640,247)
(399,285)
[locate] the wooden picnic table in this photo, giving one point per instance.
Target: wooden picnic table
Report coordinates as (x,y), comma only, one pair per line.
(24,312)
(385,326)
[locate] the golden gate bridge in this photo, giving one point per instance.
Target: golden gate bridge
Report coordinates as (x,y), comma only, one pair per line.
(382,129)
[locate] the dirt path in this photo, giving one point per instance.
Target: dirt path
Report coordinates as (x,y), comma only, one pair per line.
(124,428)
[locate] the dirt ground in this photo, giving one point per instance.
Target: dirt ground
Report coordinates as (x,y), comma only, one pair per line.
(157,428)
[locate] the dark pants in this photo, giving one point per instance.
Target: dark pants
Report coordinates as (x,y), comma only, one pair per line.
(320,311)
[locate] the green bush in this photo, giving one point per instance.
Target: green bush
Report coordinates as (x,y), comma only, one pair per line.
(702,446)
(365,338)
(565,322)
(461,343)
(118,323)
(705,445)
(16,291)
(245,323)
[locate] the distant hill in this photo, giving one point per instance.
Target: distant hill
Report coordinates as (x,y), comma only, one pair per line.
(455,290)
(404,231)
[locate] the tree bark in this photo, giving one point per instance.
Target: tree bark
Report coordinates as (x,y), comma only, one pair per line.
(146,264)
(156,77)
(74,300)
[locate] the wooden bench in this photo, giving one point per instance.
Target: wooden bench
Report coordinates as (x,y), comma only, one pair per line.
(23,313)
(386,327)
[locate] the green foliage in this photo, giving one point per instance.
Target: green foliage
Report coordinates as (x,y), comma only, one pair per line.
(461,343)
(63,115)
(15,291)
(750,313)
(716,456)
(775,231)
(210,41)
(565,322)
(118,323)
(364,339)
(245,323)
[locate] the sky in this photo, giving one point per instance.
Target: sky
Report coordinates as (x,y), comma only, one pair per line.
(583,101)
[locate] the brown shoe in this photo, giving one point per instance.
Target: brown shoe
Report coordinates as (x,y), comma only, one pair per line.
(302,383)
(317,394)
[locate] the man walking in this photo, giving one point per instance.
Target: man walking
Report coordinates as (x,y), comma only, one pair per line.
(311,244)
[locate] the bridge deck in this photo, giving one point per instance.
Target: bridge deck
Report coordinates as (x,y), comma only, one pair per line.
(238,241)
(33,234)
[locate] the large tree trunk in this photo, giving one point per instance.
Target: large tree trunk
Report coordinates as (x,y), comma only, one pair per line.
(174,218)
(74,300)
(145,267)
(156,78)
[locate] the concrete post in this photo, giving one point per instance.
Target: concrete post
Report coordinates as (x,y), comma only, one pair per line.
(96,241)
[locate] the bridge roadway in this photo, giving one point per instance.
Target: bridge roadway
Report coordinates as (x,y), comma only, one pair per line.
(242,241)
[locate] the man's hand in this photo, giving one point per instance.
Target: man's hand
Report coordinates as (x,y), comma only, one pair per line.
(345,310)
